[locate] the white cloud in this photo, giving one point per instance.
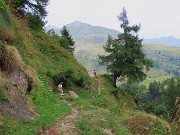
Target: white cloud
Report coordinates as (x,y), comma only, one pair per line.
(157,17)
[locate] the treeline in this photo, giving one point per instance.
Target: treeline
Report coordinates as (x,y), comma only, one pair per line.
(160,98)
(172,65)
(65,40)
(33,12)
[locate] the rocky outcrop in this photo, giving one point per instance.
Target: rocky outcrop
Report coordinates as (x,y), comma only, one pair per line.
(15,106)
(19,82)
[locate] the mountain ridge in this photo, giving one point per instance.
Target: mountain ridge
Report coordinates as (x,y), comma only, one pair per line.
(84,33)
(169,40)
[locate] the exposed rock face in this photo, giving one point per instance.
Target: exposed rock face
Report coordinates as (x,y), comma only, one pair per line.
(15,106)
(19,79)
(18,83)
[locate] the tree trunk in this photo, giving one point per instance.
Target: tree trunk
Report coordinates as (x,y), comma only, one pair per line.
(113,79)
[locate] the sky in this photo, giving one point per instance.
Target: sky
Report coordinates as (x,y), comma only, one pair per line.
(157,17)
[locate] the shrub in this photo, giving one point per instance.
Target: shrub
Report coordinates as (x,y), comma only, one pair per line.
(2,96)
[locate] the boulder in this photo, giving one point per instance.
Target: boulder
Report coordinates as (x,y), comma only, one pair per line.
(73,94)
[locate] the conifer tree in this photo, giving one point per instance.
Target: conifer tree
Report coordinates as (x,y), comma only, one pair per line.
(124,55)
(33,10)
(66,40)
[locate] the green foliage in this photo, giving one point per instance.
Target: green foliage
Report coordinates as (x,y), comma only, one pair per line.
(149,80)
(124,55)
(154,90)
(49,59)
(66,40)
(160,98)
(166,59)
(49,109)
(86,127)
(6,24)
(34,10)
(98,121)
(105,102)
(71,76)
(2,5)
(2,96)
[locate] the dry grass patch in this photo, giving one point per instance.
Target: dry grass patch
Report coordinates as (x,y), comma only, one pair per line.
(13,59)
(146,124)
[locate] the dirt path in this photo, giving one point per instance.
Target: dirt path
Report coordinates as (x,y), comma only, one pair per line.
(65,126)
(99,81)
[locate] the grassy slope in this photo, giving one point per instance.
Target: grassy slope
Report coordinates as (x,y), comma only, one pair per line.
(44,55)
(98,112)
(166,59)
(119,116)
(48,59)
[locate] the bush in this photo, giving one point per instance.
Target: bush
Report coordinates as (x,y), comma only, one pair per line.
(2,96)
(70,76)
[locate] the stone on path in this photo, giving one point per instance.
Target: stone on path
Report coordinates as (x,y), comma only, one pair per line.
(62,94)
(73,94)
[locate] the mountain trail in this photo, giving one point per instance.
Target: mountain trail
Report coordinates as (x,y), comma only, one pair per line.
(66,126)
(99,81)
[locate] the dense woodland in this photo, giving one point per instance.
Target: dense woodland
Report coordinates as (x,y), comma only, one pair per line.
(46,58)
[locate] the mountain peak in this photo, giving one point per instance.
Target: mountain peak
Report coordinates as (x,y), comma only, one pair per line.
(78,23)
(168,40)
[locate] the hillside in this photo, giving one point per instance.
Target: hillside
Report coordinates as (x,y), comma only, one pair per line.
(171,41)
(85,33)
(166,59)
(88,34)
(33,63)
(89,41)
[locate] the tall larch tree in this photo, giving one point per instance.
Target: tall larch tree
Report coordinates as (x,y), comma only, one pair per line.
(124,56)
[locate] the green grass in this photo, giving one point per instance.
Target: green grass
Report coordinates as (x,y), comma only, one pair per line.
(166,58)
(6,22)
(157,79)
(49,108)
(97,113)
(49,60)
(105,112)
(45,55)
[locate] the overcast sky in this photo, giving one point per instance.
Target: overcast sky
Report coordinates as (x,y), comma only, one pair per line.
(157,17)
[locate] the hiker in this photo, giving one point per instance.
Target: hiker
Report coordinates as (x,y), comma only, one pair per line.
(94,73)
(60,87)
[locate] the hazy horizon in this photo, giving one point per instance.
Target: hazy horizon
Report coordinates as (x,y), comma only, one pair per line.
(157,18)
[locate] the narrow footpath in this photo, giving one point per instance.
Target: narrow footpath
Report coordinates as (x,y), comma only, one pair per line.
(65,126)
(99,81)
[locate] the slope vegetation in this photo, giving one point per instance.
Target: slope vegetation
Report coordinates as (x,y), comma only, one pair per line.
(31,66)
(164,52)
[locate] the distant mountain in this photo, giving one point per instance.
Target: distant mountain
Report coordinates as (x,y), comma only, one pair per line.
(49,27)
(89,40)
(83,29)
(171,41)
(84,33)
